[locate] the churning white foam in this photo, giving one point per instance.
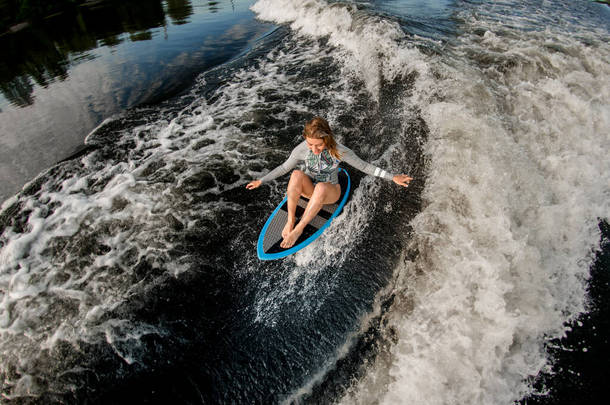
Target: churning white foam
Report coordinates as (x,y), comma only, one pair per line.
(74,259)
(518,179)
(372,42)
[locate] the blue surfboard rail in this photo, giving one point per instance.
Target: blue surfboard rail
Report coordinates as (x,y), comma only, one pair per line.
(278,255)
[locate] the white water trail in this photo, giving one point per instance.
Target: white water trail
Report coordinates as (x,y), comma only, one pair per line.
(518,180)
(99,230)
(517,183)
(371,42)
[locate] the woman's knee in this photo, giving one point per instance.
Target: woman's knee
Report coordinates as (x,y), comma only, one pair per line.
(297,174)
(296,177)
(324,193)
(300,182)
(320,191)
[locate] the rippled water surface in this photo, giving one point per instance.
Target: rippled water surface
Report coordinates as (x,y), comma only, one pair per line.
(129,274)
(60,78)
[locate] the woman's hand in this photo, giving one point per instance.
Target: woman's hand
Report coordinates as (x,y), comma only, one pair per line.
(254,184)
(402,180)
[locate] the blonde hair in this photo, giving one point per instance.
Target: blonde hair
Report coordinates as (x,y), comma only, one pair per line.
(318,128)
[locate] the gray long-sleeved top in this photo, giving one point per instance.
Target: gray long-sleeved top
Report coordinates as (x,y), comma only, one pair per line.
(324,167)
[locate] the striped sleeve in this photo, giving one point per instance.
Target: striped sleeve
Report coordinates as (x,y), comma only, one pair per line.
(349,157)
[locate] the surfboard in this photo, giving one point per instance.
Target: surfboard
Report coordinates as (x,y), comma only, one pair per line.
(268,246)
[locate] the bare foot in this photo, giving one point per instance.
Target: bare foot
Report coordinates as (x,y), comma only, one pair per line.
(291,238)
(287,228)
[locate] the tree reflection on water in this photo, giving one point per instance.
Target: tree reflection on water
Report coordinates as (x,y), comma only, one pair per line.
(39,50)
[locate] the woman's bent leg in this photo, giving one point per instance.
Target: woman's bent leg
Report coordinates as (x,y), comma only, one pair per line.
(299,184)
(323,193)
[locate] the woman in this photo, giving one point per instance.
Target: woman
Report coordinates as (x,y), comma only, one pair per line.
(319,182)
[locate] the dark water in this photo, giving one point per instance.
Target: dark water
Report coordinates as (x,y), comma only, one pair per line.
(580,358)
(62,76)
(128,273)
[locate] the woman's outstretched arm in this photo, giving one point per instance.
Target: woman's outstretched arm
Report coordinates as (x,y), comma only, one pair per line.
(349,157)
(295,157)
